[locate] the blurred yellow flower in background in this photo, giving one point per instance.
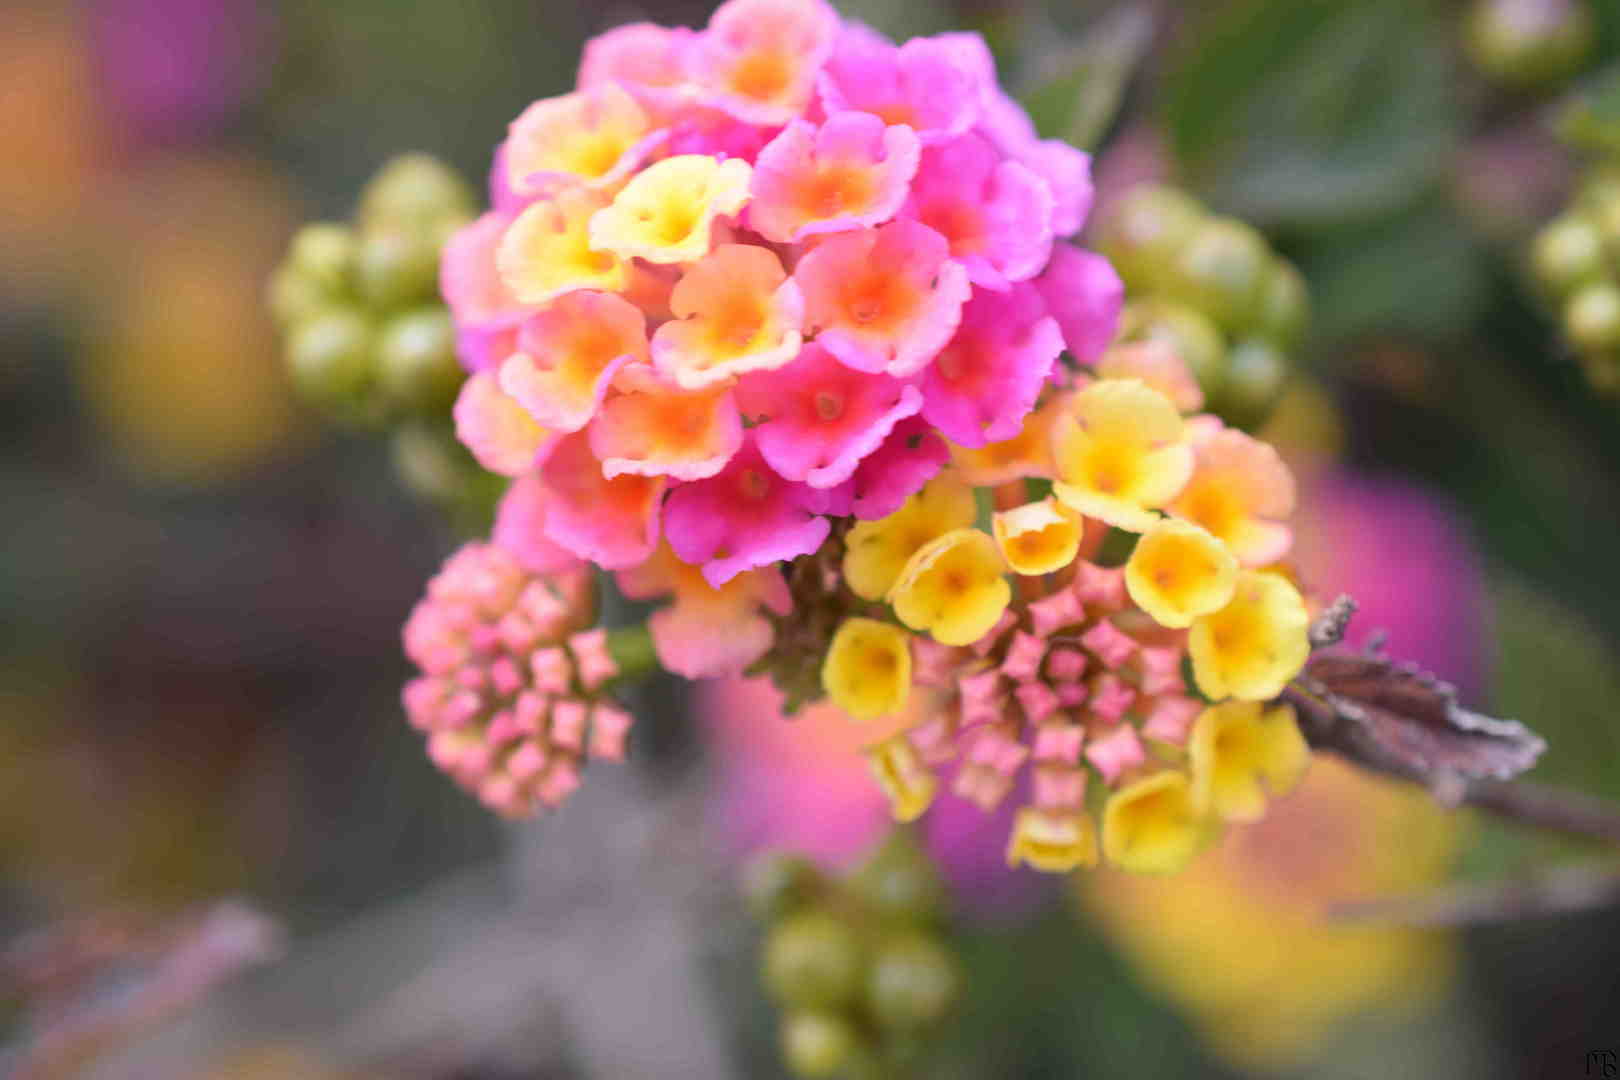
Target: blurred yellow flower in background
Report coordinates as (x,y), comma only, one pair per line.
(1241,943)
(181,371)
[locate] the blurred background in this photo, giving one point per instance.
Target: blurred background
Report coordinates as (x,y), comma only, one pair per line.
(202,582)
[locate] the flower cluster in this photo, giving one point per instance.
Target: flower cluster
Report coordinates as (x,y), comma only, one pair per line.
(748,281)
(1076,669)
(860,964)
(510,696)
(1576,262)
(1212,288)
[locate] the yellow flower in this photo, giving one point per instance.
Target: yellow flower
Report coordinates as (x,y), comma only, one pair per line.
(875,552)
(1054,842)
(667,212)
(1242,492)
(1239,752)
(547,251)
(953,587)
(904,777)
(1250,648)
(1038,537)
(1119,453)
(1152,827)
(1178,572)
(867,672)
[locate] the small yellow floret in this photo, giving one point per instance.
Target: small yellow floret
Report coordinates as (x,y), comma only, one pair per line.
(1178,572)
(547,252)
(1054,842)
(1038,537)
(875,552)
(867,672)
(1152,826)
(904,777)
(1119,453)
(667,212)
(953,587)
(1239,752)
(1251,647)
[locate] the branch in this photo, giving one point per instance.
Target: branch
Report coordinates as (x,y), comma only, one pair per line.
(1557,892)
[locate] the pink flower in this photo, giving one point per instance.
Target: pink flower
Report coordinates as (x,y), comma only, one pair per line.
(735,310)
(747,516)
(1084,295)
(911,456)
(498,431)
(568,354)
(884,299)
(520,527)
(658,430)
(652,62)
(985,382)
(708,631)
(594,138)
(758,58)
(500,651)
(995,213)
(1067,171)
(613,522)
(820,418)
(472,286)
(851,172)
(924,84)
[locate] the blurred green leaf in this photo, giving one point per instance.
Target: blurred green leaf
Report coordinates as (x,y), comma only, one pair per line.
(1419,272)
(1076,91)
(1312,111)
(1590,118)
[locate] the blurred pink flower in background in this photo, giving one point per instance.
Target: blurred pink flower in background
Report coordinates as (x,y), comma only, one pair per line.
(1409,562)
(175,70)
(801,783)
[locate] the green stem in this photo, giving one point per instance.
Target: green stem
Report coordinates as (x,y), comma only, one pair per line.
(632,649)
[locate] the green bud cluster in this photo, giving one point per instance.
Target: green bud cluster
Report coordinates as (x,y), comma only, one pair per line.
(1575,261)
(1530,44)
(368,338)
(860,965)
(1213,289)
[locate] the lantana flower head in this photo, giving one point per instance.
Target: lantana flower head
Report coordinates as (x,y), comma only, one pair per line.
(781,323)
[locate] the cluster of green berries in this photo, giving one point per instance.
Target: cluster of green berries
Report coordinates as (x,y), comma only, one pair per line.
(1576,263)
(1530,44)
(860,965)
(1213,289)
(368,338)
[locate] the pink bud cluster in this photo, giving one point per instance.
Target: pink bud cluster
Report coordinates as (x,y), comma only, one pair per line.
(748,279)
(510,691)
(1079,676)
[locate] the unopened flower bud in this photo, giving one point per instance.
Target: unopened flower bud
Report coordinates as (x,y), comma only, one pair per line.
(325,254)
(1145,231)
(900,881)
(816,1044)
(415,191)
(1186,330)
(1256,372)
(912,983)
(1530,43)
(397,267)
(777,883)
(1567,254)
(416,360)
(333,359)
(1592,317)
(813,959)
(1284,306)
(1220,269)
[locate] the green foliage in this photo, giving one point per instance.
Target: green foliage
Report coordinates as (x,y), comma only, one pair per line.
(1308,112)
